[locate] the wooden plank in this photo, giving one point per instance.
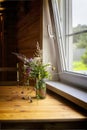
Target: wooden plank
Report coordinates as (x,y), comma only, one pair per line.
(8,69)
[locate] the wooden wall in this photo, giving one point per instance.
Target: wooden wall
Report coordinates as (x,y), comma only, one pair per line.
(29,26)
(29,29)
(22,30)
(8,41)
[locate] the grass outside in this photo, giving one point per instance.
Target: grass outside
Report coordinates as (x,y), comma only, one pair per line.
(77,66)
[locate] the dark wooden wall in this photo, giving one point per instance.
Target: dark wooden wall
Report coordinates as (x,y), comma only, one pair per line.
(8,30)
(8,42)
(29,29)
(29,26)
(22,30)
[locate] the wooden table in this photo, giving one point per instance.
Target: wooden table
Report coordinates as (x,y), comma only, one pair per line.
(43,113)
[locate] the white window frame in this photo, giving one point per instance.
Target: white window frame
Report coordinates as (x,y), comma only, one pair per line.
(72,78)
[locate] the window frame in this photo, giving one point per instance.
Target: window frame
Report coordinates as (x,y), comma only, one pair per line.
(79,80)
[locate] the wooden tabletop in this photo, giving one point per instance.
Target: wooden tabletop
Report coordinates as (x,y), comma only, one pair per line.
(15,106)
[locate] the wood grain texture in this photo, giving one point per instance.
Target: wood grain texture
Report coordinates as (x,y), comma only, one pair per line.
(14,108)
(30,28)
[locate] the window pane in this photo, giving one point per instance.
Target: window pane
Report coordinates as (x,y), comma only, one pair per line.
(79,9)
(78,58)
(80,53)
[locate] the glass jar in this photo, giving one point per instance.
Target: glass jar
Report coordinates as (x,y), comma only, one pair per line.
(40,88)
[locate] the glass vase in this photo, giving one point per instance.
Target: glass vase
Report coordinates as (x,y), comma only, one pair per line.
(40,89)
(26,82)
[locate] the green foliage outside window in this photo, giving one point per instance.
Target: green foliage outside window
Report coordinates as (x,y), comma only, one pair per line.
(80,41)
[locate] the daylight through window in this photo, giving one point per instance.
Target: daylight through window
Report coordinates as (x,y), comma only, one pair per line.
(76,35)
(70,22)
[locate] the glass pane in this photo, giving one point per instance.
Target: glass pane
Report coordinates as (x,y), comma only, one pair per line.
(79,63)
(79,41)
(79,12)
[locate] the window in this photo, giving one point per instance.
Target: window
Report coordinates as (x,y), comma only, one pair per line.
(71,35)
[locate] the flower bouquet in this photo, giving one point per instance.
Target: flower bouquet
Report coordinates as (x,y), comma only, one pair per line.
(35,69)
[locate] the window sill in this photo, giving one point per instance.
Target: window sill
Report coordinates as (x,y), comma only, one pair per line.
(71,93)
